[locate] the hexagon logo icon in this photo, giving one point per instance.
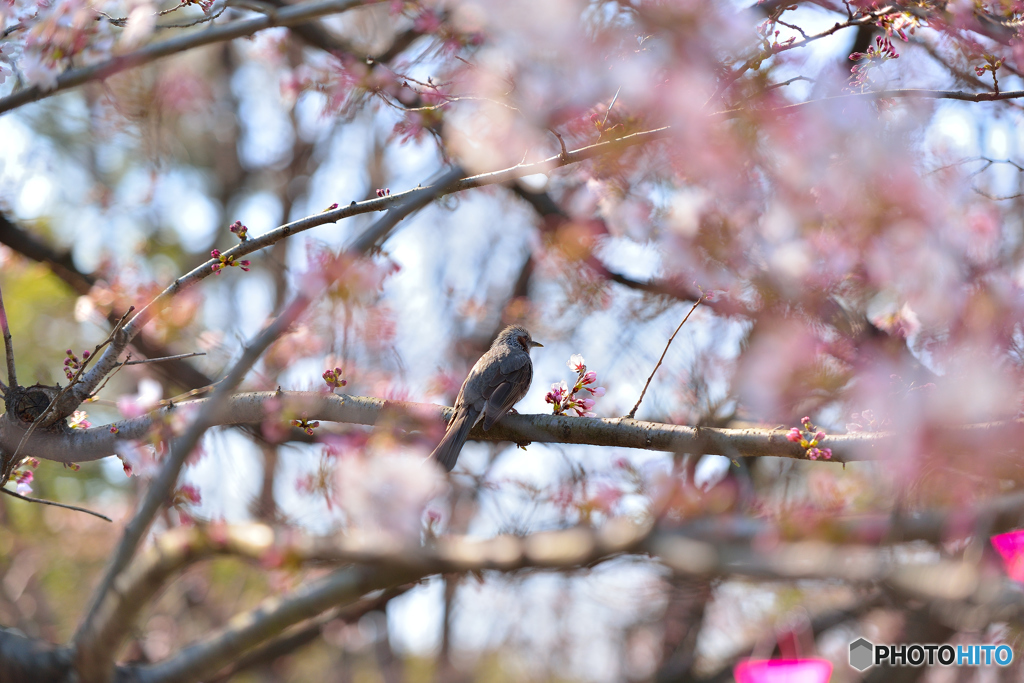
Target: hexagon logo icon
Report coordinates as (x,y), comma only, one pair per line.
(861,654)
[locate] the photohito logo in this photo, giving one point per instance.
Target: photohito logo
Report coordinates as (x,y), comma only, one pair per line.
(864,654)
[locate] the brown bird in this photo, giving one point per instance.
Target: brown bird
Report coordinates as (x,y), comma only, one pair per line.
(499,379)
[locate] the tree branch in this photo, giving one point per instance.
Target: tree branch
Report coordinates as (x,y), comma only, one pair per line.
(12,375)
(54,503)
(901,93)
(206,657)
(286,16)
(84,445)
(289,642)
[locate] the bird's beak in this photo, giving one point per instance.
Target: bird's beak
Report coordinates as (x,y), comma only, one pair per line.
(533,343)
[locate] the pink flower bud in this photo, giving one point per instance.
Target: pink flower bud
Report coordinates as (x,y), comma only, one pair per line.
(794,435)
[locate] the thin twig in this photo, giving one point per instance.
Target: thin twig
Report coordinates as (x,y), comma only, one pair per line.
(773,86)
(561,143)
(201,20)
(794,27)
(632,413)
(12,376)
(55,504)
(165,358)
(189,394)
(609,110)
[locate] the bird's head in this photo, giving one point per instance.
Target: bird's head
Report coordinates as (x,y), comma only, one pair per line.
(518,335)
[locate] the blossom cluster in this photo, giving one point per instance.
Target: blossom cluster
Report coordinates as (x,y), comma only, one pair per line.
(240,230)
(226,261)
(23,476)
(73,364)
(333,379)
(809,436)
(565,401)
(184,500)
(305,425)
(881,51)
(79,420)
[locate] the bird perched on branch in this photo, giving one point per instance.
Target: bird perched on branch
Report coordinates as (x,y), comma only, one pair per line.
(498,380)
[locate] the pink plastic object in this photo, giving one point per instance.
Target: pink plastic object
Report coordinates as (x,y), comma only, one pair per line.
(783,671)
(1011,546)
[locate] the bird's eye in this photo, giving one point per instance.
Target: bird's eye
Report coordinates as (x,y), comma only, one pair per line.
(522,342)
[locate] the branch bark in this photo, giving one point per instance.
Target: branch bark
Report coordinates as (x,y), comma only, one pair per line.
(84,445)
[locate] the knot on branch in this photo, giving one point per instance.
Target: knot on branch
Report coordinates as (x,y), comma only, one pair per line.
(26,404)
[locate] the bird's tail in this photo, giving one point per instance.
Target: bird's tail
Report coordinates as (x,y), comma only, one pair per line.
(447,452)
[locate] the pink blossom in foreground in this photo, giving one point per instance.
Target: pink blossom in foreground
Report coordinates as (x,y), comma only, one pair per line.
(149,396)
(1010,547)
(387,493)
(139,460)
(187,493)
(23,479)
(783,671)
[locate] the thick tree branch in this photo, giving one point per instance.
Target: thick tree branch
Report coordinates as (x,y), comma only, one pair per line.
(83,445)
(287,643)
(206,657)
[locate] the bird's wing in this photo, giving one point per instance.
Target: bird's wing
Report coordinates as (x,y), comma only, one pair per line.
(509,384)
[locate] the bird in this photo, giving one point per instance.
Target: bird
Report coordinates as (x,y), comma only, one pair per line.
(497,382)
